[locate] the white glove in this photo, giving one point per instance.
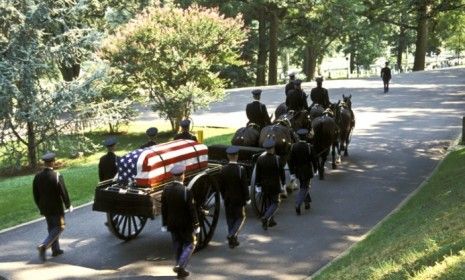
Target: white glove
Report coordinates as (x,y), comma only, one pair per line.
(164,229)
(292,177)
(197,230)
(248,202)
(71,208)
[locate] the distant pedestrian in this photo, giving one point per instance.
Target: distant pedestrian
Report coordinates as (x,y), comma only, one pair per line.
(151,133)
(269,175)
(319,94)
(179,217)
(301,167)
(386,76)
(50,194)
(107,166)
(235,192)
(256,111)
(185,134)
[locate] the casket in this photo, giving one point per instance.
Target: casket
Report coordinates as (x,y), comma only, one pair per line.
(150,167)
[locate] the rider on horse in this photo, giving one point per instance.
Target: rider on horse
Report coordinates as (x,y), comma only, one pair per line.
(297,99)
(290,84)
(256,111)
(319,95)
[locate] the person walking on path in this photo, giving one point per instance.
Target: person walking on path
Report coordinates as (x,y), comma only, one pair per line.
(50,194)
(386,76)
(179,217)
(300,166)
(270,177)
(235,192)
(107,166)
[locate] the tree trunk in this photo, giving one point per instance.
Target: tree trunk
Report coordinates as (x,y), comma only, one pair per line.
(31,145)
(261,59)
(352,62)
(310,58)
(400,48)
(273,59)
(422,37)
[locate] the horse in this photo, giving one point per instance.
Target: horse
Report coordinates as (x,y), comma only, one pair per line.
(280,110)
(316,111)
(345,123)
(325,138)
(247,136)
(300,119)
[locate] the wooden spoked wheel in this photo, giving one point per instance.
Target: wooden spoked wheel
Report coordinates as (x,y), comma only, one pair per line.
(259,201)
(207,198)
(125,227)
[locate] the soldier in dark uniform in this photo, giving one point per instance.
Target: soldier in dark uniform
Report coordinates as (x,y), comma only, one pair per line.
(386,76)
(50,194)
(256,111)
(290,84)
(319,95)
(107,166)
(152,135)
(235,192)
(179,217)
(270,177)
(296,99)
(300,166)
(185,134)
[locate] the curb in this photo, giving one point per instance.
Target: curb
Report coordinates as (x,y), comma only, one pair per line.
(454,144)
(40,219)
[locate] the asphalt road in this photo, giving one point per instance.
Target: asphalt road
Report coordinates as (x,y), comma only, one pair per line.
(399,139)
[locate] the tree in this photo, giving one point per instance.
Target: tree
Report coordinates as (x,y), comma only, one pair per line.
(167,54)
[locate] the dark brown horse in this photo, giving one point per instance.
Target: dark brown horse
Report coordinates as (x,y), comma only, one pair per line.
(297,120)
(345,123)
(325,138)
(247,136)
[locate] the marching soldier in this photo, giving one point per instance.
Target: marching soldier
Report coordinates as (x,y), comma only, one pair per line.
(256,111)
(270,176)
(296,99)
(300,165)
(185,134)
(386,76)
(235,192)
(152,135)
(107,167)
(319,95)
(179,217)
(290,84)
(50,194)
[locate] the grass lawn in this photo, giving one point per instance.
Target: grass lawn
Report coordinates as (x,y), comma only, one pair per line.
(425,239)
(17,204)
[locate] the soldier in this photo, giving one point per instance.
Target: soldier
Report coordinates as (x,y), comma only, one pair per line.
(50,194)
(319,95)
(300,166)
(179,217)
(270,177)
(107,167)
(185,134)
(296,99)
(235,192)
(386,76)
(290,84)
(256,111)
(152,135)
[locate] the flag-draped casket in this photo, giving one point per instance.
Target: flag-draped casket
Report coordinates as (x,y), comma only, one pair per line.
(151,166)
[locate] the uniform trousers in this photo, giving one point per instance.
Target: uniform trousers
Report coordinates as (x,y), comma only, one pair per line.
(272,207)
(184,245)
(304,192)
(235,218)
(386,85)
(55,226)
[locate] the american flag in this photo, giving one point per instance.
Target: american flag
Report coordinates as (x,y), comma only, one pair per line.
(150,166)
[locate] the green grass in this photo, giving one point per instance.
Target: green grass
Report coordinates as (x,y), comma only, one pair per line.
(17,204)
(425,239)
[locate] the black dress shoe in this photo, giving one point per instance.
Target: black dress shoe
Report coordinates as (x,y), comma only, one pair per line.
(307,205)
(176,269)
(264,223)
(235,241)
(272,223)
(41,250)
(231,242)
(57,253)
(297,210)
(183,273)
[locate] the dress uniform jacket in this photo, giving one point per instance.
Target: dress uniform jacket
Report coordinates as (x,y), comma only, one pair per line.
(296,100)
(107,166)
(386,74)
(178,208)
(288,87)
(50,193)
(148,144)
(185,135)
(270,173)
(319,95)
(257,113)
(233,185)
(300,160)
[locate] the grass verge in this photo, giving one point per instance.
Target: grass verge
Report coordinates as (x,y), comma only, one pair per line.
(17,204)
(425,239)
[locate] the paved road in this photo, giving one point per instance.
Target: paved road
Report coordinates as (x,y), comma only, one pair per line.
(399,139)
